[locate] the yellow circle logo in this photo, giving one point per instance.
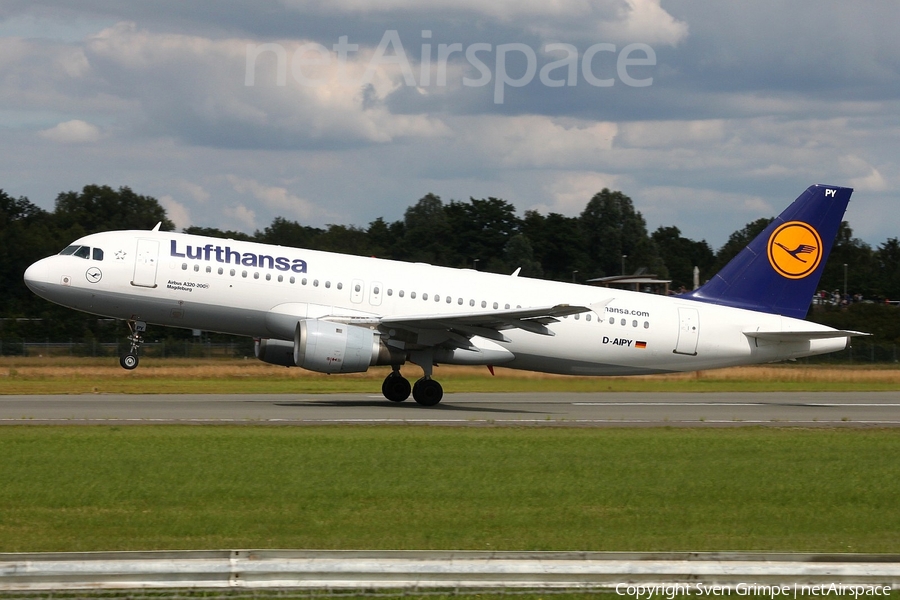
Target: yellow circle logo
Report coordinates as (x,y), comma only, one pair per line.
(795,249)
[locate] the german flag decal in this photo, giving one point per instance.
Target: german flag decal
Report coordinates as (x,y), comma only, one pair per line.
(640,344)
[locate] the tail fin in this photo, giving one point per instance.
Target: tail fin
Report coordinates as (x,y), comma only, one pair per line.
(778,272)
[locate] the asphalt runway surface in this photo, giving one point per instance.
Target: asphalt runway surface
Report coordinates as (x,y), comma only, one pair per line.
(797,409)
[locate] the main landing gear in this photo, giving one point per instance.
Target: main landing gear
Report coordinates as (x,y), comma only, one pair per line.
(426,390)
(130,360)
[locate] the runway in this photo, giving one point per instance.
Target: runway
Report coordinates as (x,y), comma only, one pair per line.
(792,409)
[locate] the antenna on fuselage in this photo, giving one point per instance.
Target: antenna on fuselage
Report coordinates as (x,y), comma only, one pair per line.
(157,226)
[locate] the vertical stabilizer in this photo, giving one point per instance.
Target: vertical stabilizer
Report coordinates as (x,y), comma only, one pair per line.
(779,271)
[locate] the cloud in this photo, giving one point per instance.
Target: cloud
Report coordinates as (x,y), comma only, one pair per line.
(278,199)
(72,132)
(177,212)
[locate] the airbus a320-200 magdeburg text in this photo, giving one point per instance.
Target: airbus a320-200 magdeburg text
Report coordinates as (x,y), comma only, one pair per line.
(335,313)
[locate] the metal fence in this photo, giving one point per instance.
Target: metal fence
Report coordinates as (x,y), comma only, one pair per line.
(161,349)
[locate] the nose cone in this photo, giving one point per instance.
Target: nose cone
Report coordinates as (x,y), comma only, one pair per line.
(37,276)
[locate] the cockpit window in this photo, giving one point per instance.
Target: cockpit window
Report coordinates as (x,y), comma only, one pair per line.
(82,252)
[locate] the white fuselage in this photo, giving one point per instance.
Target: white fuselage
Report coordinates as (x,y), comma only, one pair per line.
(261,291)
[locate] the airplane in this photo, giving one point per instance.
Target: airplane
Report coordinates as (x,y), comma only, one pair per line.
(337,313)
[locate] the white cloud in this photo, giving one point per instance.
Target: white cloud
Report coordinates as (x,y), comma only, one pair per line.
(243,216)
(72,132)
(177,212)
(278,199)
(572,191)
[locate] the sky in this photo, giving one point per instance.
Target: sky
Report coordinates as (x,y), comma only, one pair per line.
(708,114)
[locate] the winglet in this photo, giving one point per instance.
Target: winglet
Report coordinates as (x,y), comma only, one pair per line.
(778,272)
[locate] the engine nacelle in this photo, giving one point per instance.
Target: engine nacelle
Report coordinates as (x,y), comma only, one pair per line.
(328,347)
(275,352)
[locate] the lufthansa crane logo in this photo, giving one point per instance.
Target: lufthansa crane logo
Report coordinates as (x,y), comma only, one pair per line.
(795,249)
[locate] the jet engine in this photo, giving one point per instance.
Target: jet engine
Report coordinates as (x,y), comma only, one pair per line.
(328,347)
(275,352)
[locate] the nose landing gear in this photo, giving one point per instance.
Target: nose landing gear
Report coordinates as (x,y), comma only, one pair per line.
(130,359)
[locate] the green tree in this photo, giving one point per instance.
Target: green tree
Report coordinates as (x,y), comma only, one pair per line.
(428,233)
(887,258)
(289,233)
(612,228)
(101,208)
(557,244)
(681,255)
(737,241)
(862,272)
(480,229)
(518,253)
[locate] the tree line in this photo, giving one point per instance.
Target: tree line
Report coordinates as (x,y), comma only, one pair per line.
(608,237)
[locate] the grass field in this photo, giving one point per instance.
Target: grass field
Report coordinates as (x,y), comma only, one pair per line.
(37,375)
(170,487)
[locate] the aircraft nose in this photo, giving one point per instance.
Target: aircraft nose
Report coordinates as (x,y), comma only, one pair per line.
(36,275)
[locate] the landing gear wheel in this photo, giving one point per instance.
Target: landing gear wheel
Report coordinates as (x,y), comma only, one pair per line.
(129,361)
(427,392)
(395,388)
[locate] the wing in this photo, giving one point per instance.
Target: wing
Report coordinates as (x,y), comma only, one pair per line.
(456,329)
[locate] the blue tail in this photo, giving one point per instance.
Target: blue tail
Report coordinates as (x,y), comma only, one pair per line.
(778,272)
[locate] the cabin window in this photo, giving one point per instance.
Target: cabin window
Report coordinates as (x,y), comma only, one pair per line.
(232,272)
(483,304)
(208,269)
(340,286)
(612,320)
(506,307)
(184,266)
(496,306)
(577,317)
(196,268)
(400,293)
(268,277)
(280,278)
(328,284)
(424,296)
(243,273)
(646,324)
(471,303)
(449,300)
(221,270)
(460,301)
(315,283)
(303,281)
(587,317)
(357,288)
(98,254)
(390,292)
(412,295)
(377,290)
(292,280)
(634,323)
(623,322)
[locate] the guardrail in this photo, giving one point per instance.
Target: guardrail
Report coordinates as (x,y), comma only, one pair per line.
(419,570)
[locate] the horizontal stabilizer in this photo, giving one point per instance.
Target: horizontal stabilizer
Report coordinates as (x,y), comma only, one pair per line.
(800,336)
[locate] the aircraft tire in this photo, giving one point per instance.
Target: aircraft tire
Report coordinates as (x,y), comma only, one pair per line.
(427,392)
(395,388)
(129,361)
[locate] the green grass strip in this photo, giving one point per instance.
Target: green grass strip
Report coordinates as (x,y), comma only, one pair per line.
(171,487)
